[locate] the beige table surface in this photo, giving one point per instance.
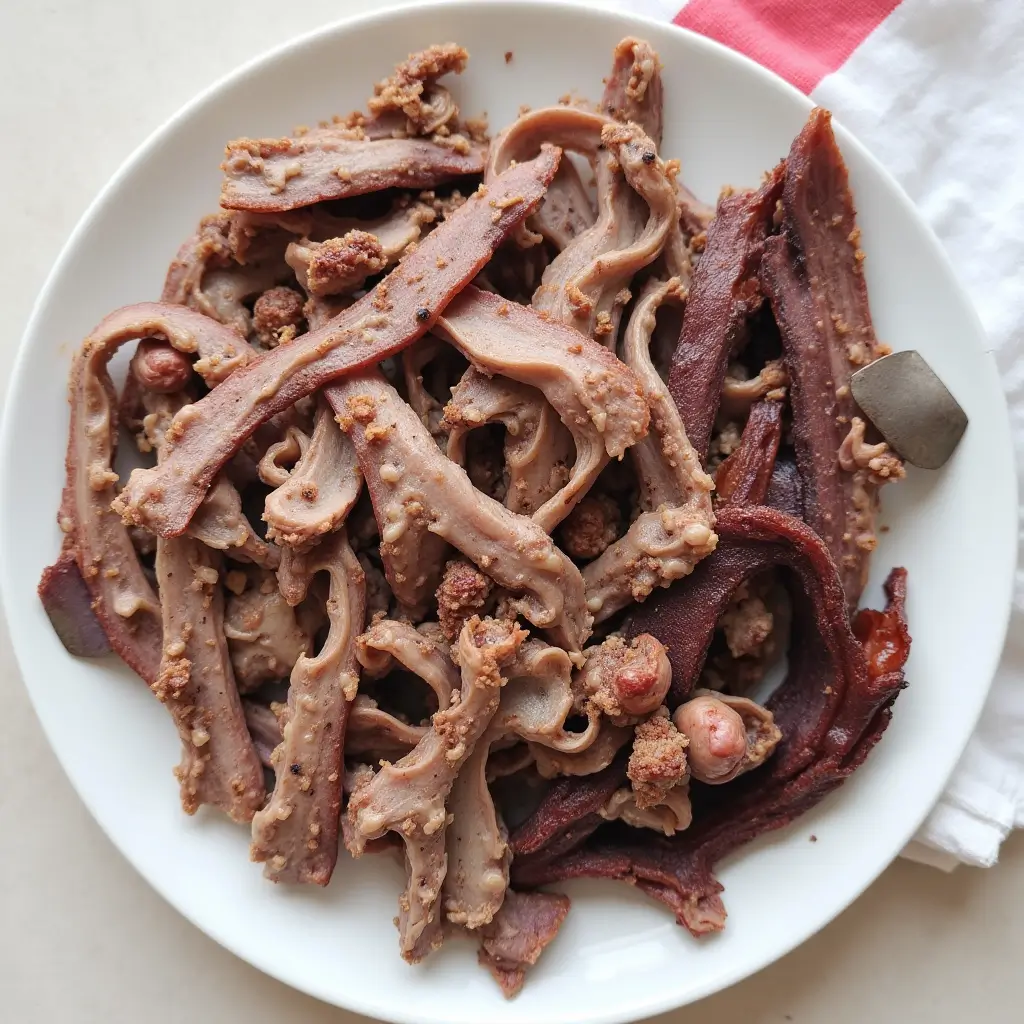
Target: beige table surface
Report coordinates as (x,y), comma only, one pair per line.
(82,937)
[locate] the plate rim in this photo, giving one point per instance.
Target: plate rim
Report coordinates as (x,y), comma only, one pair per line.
(632,22)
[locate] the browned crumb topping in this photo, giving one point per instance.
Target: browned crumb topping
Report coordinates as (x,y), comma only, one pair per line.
(591,526)
(275,310)
(463,593)
(339,262)
(403,90)
(658,761)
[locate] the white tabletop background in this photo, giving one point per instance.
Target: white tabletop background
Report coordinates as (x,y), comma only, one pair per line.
(82,937)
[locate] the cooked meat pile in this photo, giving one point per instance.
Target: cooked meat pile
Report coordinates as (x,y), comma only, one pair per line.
(614,476)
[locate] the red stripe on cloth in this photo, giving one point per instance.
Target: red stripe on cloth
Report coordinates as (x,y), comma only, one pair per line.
(801,40)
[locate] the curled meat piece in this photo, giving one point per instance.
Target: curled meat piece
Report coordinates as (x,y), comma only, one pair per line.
(319,492)
(397,312)
(584,285)
(158,366)
(292,446)
(658,762)
(625,680)
(633,91)
(463,593)
(597,397)
(723,293)
(277,315)
(855,454)
(415,488)
(412,90)
(338,265)
(221,524)
(728,735)
(219,764)
(674,530)
(744,477)
(832,709)
(373,733)
(813,275)
(538,447)
(409,797)
(515,939)
(672,813)
(265,635)
(423,655)
(739,395)
(296,834)
(275,175)
(601,752)
(122,598)
(209,275)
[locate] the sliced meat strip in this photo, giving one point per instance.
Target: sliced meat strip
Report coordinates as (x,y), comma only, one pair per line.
(122,599)
(596,396)
(814,278)
(398,311)
(539,450)
(409,797)
(373,733)
(522,930)
(416,491)
(273,175)
(675,528)
(745,476)
(832,711)
(320,490)
(296,834)
(723,294)
(219,764)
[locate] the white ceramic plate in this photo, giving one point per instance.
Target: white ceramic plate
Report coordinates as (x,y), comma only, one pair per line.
(619,956)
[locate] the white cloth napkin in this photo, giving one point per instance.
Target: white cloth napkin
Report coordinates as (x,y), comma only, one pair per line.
(935,88)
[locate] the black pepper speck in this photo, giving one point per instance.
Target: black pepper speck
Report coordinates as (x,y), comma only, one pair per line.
(295,769)
(423,315)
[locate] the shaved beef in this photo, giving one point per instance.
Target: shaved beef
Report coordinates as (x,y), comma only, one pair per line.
(296,834)
(745,476)
(515,939)
(814,278)
(598,398)
(271,175)
(122,598)
(390,317)
(319,492)
(722,296)
(416,491)
(831,711)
